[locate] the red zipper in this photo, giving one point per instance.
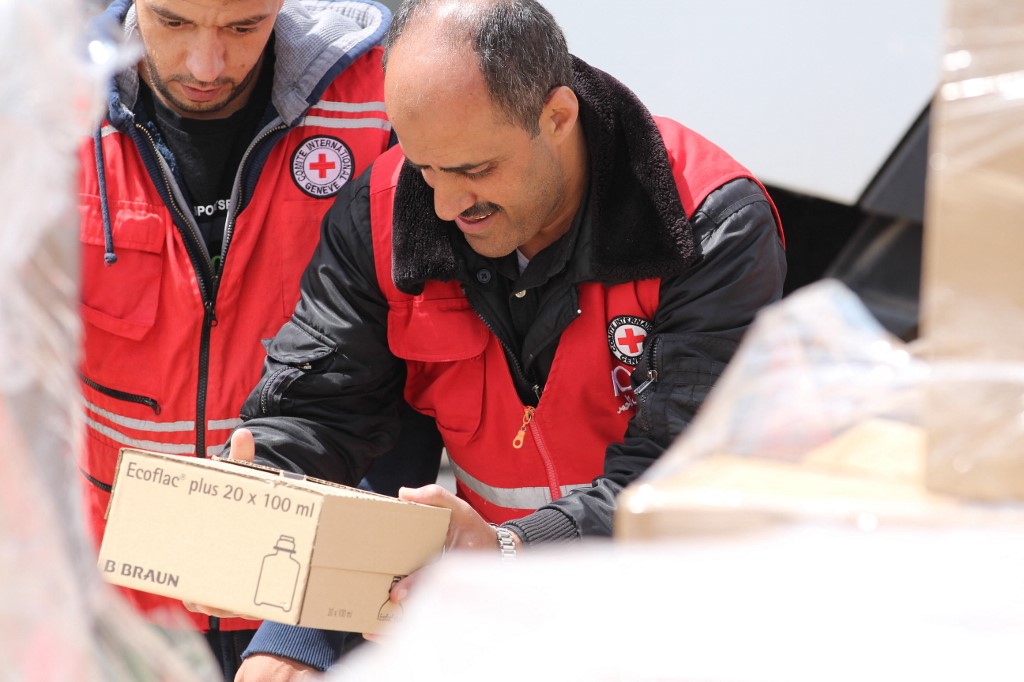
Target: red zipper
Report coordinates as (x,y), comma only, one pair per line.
(517,442)
(545,456)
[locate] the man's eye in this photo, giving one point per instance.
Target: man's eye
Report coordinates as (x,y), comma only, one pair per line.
(483,172)
(172,23)
(243,30)
(427,175)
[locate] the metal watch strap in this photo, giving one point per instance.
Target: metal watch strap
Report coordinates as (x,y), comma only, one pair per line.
(506,543)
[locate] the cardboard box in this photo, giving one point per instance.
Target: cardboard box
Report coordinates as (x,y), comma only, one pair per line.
(261,543)
(972,302)
(872,473)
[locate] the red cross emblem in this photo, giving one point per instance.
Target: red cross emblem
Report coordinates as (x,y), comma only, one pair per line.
(626,337)
(633,340)
(322,165)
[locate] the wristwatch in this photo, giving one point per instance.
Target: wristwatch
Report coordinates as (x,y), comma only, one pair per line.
(506,543)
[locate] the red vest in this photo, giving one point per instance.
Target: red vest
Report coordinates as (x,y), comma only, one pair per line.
(143,316)
(458,373)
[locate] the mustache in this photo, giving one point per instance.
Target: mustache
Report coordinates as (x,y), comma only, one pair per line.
(479,210)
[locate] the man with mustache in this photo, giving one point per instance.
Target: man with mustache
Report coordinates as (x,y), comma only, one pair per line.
(551,273)
(201,198)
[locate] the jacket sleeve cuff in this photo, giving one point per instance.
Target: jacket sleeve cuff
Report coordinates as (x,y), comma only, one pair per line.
(544,525)
(318,649)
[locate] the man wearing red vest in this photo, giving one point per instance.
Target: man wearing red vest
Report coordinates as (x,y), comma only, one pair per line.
(553,275)
(201,197)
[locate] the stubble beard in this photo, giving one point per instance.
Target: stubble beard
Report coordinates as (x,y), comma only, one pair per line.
(186,107)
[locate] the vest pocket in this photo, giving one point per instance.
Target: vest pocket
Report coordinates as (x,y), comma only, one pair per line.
(435,330)
(121,298)
(443,342)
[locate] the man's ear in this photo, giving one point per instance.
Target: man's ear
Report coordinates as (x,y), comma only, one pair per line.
(560,113)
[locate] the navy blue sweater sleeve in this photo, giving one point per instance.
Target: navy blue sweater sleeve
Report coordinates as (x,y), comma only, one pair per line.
(316,648)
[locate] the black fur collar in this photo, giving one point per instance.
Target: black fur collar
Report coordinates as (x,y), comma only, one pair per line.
(635,227)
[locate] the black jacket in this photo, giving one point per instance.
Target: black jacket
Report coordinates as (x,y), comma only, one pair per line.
(327,403)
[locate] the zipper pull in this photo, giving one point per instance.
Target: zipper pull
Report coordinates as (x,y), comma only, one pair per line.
(521,436)
(652,378)
(211,313)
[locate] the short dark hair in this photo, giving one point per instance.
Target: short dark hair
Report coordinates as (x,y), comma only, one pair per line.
(520,48)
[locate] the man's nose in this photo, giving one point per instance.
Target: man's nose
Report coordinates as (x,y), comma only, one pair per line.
(451,197)
(205,60)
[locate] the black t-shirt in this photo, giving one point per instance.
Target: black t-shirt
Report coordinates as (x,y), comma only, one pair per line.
(207,154)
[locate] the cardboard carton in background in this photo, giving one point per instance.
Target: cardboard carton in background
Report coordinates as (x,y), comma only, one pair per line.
(871,473)
(972,312)
(263,544)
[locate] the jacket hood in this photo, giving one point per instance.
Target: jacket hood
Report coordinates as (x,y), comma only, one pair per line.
(315,40)
(635,226)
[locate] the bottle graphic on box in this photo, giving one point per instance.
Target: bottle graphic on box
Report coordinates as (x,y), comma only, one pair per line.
(279,575)
(389,610)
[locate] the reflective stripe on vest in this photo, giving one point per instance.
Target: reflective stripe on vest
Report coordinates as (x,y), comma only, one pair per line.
(218,442)
(379,122)
(345,123)
(166,448)
(350,107)
(512,498)
(154,427)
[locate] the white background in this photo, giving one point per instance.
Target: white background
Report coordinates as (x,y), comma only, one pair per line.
(811,95)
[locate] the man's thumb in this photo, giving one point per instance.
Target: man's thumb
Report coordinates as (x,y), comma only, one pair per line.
(243,446)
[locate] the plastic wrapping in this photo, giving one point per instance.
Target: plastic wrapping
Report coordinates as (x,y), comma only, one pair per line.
(810,368)
(59,620)
(798,604)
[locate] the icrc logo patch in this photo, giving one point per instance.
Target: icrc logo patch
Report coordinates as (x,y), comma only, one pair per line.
(321,165)
(626,336)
